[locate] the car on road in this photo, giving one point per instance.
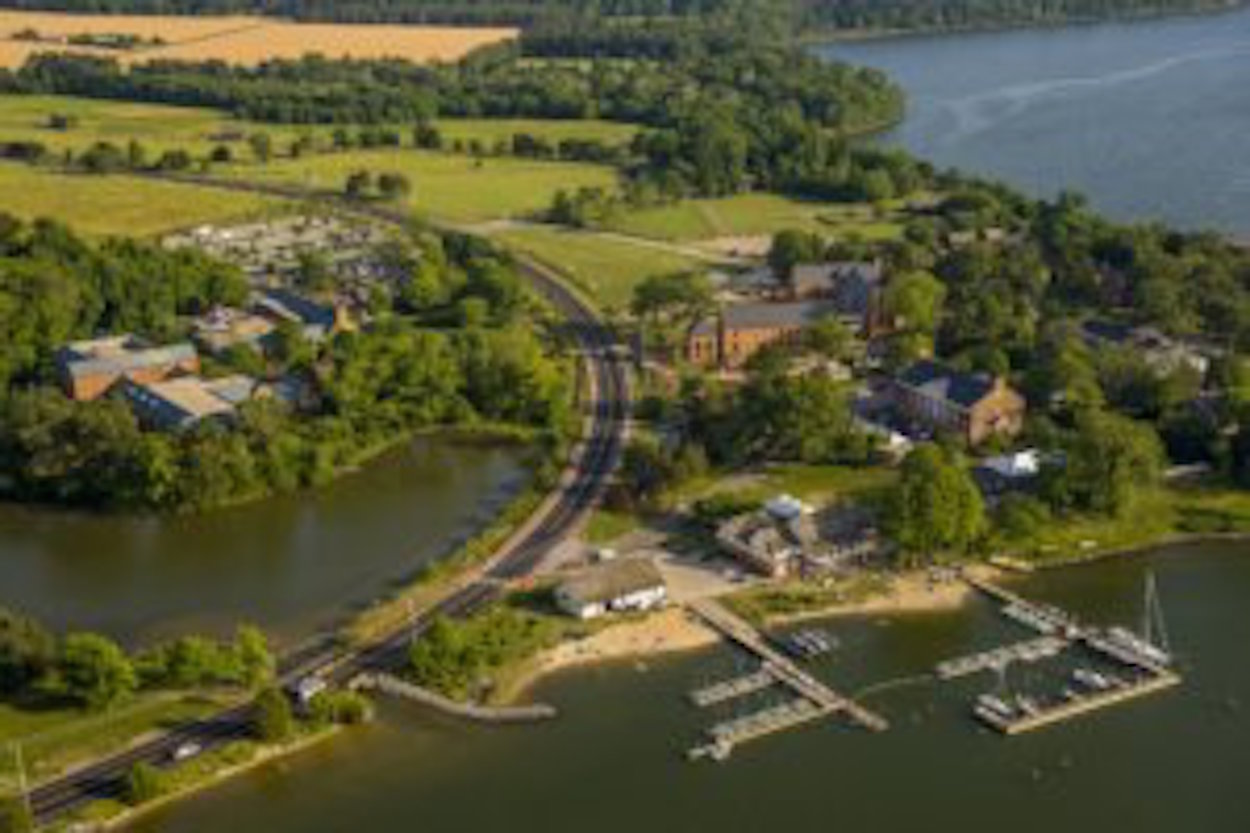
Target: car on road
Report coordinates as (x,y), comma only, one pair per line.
(185,751)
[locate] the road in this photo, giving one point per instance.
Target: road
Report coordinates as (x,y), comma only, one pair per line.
(559,516)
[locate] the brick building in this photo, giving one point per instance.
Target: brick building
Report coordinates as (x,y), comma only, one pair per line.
(87,369)
(741,330)
(975,406)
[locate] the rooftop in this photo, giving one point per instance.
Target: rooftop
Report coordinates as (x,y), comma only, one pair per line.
(119,354)
(611,580)
(762,315)
(190,399)
(939,382)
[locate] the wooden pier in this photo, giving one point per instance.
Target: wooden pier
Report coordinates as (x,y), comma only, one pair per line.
(1084,704)
(1150,676)
(815,699)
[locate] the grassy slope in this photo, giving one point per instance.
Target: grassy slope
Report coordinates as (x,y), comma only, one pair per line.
(53,739)
(161,127)
(449,187)
(118,204)
(607,268)
(753,214)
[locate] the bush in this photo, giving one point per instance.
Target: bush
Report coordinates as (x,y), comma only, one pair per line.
(346,708)
(144,783)
(271,717)
(15,816)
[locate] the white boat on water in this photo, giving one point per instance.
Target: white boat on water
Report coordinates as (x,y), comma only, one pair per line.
(1129,641)
(995,704)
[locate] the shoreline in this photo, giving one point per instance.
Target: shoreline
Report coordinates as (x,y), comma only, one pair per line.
(673,631)
(834,36)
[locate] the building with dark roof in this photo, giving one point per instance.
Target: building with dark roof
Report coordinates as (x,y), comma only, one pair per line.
(177,404)
(317,320)
(974,406)
(739,331)
(87,369)
(855,288)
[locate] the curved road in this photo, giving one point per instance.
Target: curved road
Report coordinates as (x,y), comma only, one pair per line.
(553,522)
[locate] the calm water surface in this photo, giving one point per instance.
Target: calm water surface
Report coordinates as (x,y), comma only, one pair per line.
(289,564)
(1149,119)
(1179,761)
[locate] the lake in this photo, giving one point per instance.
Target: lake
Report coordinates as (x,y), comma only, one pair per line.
(1149,119)
(289,564)
(614,761)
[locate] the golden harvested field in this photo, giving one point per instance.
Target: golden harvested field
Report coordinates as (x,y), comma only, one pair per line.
(239,39)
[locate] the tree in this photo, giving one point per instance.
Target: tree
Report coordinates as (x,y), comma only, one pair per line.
(1110,460)
(830,338)
(914,302)
(27,651)
(792,247)
(358,185)
(144,783)
(679,299)
(261,145)
(254,659)
(95,672)
(221,154)
(392,186)
(936,506)
(272,721)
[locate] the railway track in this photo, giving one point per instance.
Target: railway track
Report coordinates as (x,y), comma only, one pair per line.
(559,516)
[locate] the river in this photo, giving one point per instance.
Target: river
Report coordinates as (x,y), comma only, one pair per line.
(289,564)
(1148,118)
(614,761)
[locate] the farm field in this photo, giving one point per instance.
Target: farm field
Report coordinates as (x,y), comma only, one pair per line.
(606,268)
(241,39)
(445,186)
(105,205)
(747,215)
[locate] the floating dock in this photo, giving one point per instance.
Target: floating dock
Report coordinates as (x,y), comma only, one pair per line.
(815,699)
(1152,673)
(1084,704)
(1032,650)
(727,690)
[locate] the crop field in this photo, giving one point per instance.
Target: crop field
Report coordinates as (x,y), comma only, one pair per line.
(122,205)
(607,268)
(444,186)
(238,40)
(747,215)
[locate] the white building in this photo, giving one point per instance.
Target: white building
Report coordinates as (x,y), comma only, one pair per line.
(613,587)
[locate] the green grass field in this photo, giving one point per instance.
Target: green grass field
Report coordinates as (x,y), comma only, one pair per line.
(122,205)
(606,268)
(197,130)
(445,187)
(755,214)
(54,739)
(490,131)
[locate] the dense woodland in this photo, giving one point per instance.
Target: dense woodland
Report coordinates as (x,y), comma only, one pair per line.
(818,14)
(458,346)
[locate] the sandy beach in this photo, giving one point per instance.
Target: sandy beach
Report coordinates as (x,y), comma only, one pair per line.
(673,630)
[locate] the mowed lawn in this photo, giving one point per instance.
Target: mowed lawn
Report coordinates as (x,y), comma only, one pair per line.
(119,205)
(448,187)
(747,215)
(606,268)
(53,739)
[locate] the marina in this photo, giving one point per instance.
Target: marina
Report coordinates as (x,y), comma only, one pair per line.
(1144,660)
(814,700)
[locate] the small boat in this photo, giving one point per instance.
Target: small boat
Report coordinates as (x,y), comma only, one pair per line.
(995,704)
(1091,679)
